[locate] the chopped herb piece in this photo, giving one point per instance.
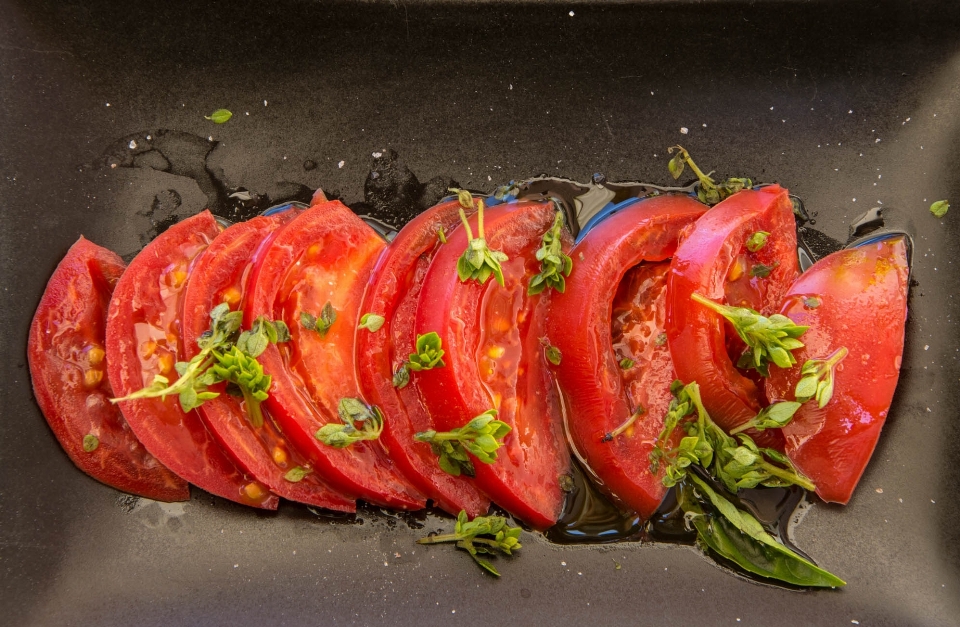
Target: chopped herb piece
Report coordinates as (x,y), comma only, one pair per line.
(441,235)
(661,339)
(468,534)
(401,376)
(812,302)
(360,422)
(90,443)
(371,322)
(481,437)
(816,378)
(219,116)
(296,474)
(757,241)
(762,270)
(429,353)
(626,364)
(940,208)
(321,324)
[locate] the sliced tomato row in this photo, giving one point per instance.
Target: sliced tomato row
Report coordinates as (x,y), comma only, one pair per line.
(625,326)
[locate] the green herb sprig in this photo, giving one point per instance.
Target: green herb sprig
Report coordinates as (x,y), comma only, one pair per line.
(707,451)
(360,422)
(225,355)
(481,437)
(478,262)
(484,535)
(555,265)
(817,378)
(736,462)
(322,323)
(768,339)
(428,355)
(708,191)
(775,416)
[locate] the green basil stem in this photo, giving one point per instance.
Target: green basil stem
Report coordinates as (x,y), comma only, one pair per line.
(254,413)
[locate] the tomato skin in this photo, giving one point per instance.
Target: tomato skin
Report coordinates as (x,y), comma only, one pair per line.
(65,342)
(594,385)
(393,293)
(326,254)
(143,340)
(705,262)
(524,479)
(219,275)
(833,445)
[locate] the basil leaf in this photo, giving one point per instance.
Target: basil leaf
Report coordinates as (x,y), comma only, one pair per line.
(219,116)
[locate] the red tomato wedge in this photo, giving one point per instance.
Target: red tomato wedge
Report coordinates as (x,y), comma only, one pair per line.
(325,255)
(220,275)
(494,359)
(68,366)
(394,293)
(714,261)
(143,340)
(619,277)
(854,299)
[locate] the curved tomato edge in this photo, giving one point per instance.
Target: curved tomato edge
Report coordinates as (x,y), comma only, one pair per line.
(222,416)
(646,231)
(352,471)
(156,482)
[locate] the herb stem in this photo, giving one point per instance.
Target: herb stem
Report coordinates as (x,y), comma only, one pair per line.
(788,476)
(639,411)
(254,413)
(466,225)
(440,538)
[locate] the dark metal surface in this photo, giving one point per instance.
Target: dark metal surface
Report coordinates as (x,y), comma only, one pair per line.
(849,104)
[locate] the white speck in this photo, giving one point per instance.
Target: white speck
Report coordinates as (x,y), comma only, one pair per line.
(113,166)
(879,490)
(581,574)
(294,552)
(771,108)
(926,347)
(854,200)
(377,155)
(855,622)
(571,14)
(132,144)
(684,130)
(489,178)
(341,164)
(264,103)
(932,501)
(210,137)
(511,85)
(108,104)
(704,126)
(651,93)
(386,564)
(247,112)
(453,611)
(850,111)
(877,141)
(563,563)
(149,137)
(236,565)
(784,121)
(901,500)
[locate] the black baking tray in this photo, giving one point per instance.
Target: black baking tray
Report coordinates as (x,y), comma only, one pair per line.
(852,105)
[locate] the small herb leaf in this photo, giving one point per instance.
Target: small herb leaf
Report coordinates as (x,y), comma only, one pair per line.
(219,116)
(371,322)
(90,443)
(296,474)
(940,208)
(757,241)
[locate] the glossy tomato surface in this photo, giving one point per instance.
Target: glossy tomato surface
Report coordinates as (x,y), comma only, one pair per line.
(394,293)
(143,340)
(68,365)
(325,255)
(614,309)
(220,275)
(714,261)
(494,359)
(855,299)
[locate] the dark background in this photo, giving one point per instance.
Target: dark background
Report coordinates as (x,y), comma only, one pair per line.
(849,104)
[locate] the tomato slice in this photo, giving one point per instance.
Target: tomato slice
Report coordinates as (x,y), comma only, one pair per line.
(220,276)
(325,255)
(619,278)
(714,261)
(143,340)
(394,293)
(68,366)
(832,445)
(494,359)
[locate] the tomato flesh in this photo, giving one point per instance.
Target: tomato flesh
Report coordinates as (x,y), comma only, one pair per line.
(394,293)
(832,445)
(614,309)
(68,366)
(325,255)
(143,340)
(494,359)
(220,276)
(713,261)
